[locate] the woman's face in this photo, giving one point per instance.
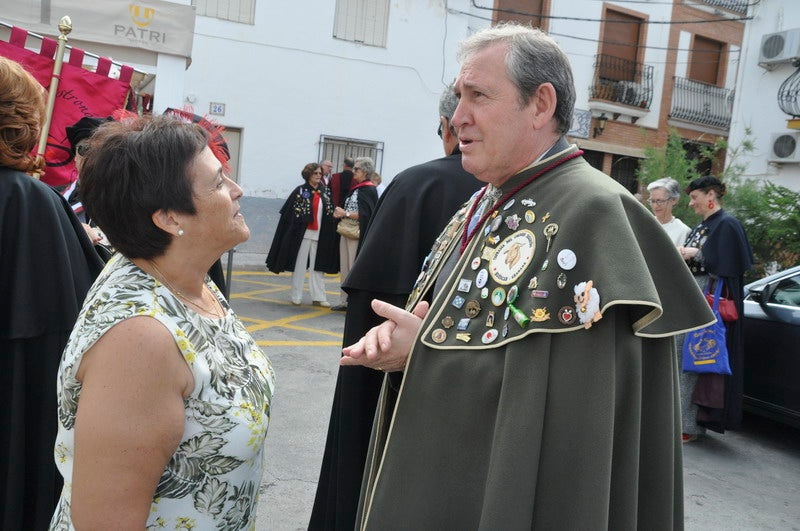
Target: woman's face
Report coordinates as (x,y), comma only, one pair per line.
(699,200)
(358,172)
(218,221)
(660,202)
(316,177)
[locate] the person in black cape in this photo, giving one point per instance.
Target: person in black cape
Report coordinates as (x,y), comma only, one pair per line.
(296,214)
(48,265)
(717,248)
(410,214)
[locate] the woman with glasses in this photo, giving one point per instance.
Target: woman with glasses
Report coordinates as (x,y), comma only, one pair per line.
(305,220)
(359,204)
(664,195)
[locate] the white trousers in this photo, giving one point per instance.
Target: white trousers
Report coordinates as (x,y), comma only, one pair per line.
(347,255)
(316,284)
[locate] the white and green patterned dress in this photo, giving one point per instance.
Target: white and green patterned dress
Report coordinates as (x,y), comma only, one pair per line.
(212,480)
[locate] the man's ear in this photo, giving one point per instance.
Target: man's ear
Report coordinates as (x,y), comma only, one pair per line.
(166,221)
(543,105)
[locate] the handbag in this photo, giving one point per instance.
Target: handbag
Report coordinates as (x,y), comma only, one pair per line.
(348,228)
(727,306)
(705,350)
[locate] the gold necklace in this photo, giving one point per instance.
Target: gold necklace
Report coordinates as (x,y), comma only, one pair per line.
(183,297)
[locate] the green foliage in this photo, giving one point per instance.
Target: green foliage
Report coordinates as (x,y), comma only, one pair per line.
(771,217)
(770,213)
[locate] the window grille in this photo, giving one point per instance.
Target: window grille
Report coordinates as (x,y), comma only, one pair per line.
(243,11)
(364,21)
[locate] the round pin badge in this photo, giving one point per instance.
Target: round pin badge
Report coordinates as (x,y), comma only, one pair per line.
(530,216)
(489,336)
(472,309)
(476,263)
(438,336)
(566,259)
(448,322)
(510,259)
(498,296)
(484,293)
(566,315)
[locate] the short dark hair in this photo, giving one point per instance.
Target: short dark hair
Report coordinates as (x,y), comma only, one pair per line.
(349,162)
(309,169)
(134,168)
(706,183)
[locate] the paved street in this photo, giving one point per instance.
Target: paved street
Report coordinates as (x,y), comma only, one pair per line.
(745,480)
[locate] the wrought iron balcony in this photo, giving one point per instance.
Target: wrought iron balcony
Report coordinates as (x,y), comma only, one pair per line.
(621,81)
(695,101)
(737,6)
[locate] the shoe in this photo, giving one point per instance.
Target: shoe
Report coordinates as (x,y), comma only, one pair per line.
(324,304)
(339,308)
(297,303)
(688,437)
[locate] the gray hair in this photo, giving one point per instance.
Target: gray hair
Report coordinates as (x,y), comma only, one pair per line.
(667,183)
(532,58)
(366,164)
(448,102)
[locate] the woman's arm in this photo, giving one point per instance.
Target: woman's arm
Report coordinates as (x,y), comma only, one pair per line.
(129,422)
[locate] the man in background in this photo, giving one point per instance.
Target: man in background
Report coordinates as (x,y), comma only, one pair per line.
(411,212)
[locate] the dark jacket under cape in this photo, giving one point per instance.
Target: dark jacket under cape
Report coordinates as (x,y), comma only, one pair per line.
(553,425)
(295,217)
(409,215)
(48,265)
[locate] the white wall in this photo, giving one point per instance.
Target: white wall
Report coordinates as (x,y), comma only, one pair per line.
(285,81)
(756,104)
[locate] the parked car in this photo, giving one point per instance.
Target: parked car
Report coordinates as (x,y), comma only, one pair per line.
(772,346)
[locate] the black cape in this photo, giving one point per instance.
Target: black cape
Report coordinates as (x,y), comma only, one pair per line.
(726,255)
(295,217)
(410,213)
(48,265)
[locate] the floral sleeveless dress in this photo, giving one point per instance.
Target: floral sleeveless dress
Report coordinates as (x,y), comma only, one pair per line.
(212,480)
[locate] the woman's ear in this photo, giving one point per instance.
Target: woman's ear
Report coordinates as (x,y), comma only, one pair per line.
(166,221)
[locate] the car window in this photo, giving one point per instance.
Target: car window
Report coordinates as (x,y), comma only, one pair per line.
(787,292)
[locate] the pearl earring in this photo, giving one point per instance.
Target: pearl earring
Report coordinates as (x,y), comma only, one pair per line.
(180,232)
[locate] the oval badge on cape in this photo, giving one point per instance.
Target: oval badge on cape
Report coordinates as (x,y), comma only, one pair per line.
(512,257)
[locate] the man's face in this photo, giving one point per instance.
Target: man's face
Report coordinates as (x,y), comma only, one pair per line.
(326,167)
(496,134)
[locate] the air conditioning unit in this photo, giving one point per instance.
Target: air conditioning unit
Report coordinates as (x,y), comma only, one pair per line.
(779,48)
(785,148)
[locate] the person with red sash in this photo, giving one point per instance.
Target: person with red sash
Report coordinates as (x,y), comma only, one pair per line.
(305,221)
(359,204)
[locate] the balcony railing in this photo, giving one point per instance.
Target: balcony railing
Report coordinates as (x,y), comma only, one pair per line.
(621,81)
(695,101)
(737,6)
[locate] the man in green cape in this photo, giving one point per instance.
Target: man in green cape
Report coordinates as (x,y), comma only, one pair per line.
(539,390)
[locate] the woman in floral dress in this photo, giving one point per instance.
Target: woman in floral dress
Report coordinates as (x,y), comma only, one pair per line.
(163,396)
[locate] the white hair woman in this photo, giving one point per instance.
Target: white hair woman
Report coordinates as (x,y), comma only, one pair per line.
(664,195)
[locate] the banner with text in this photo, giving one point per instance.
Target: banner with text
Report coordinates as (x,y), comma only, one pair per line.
(80,93)
(155,25)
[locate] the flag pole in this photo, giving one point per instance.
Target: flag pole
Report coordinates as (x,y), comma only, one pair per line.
(64,28)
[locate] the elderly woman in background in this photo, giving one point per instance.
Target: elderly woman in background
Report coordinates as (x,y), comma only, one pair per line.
(163,396)
(359,204)
(302,238)
(664,195)
(47,265)
(717,248)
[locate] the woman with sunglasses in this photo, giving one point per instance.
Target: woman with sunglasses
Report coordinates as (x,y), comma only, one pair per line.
(306,219)
(664,195)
